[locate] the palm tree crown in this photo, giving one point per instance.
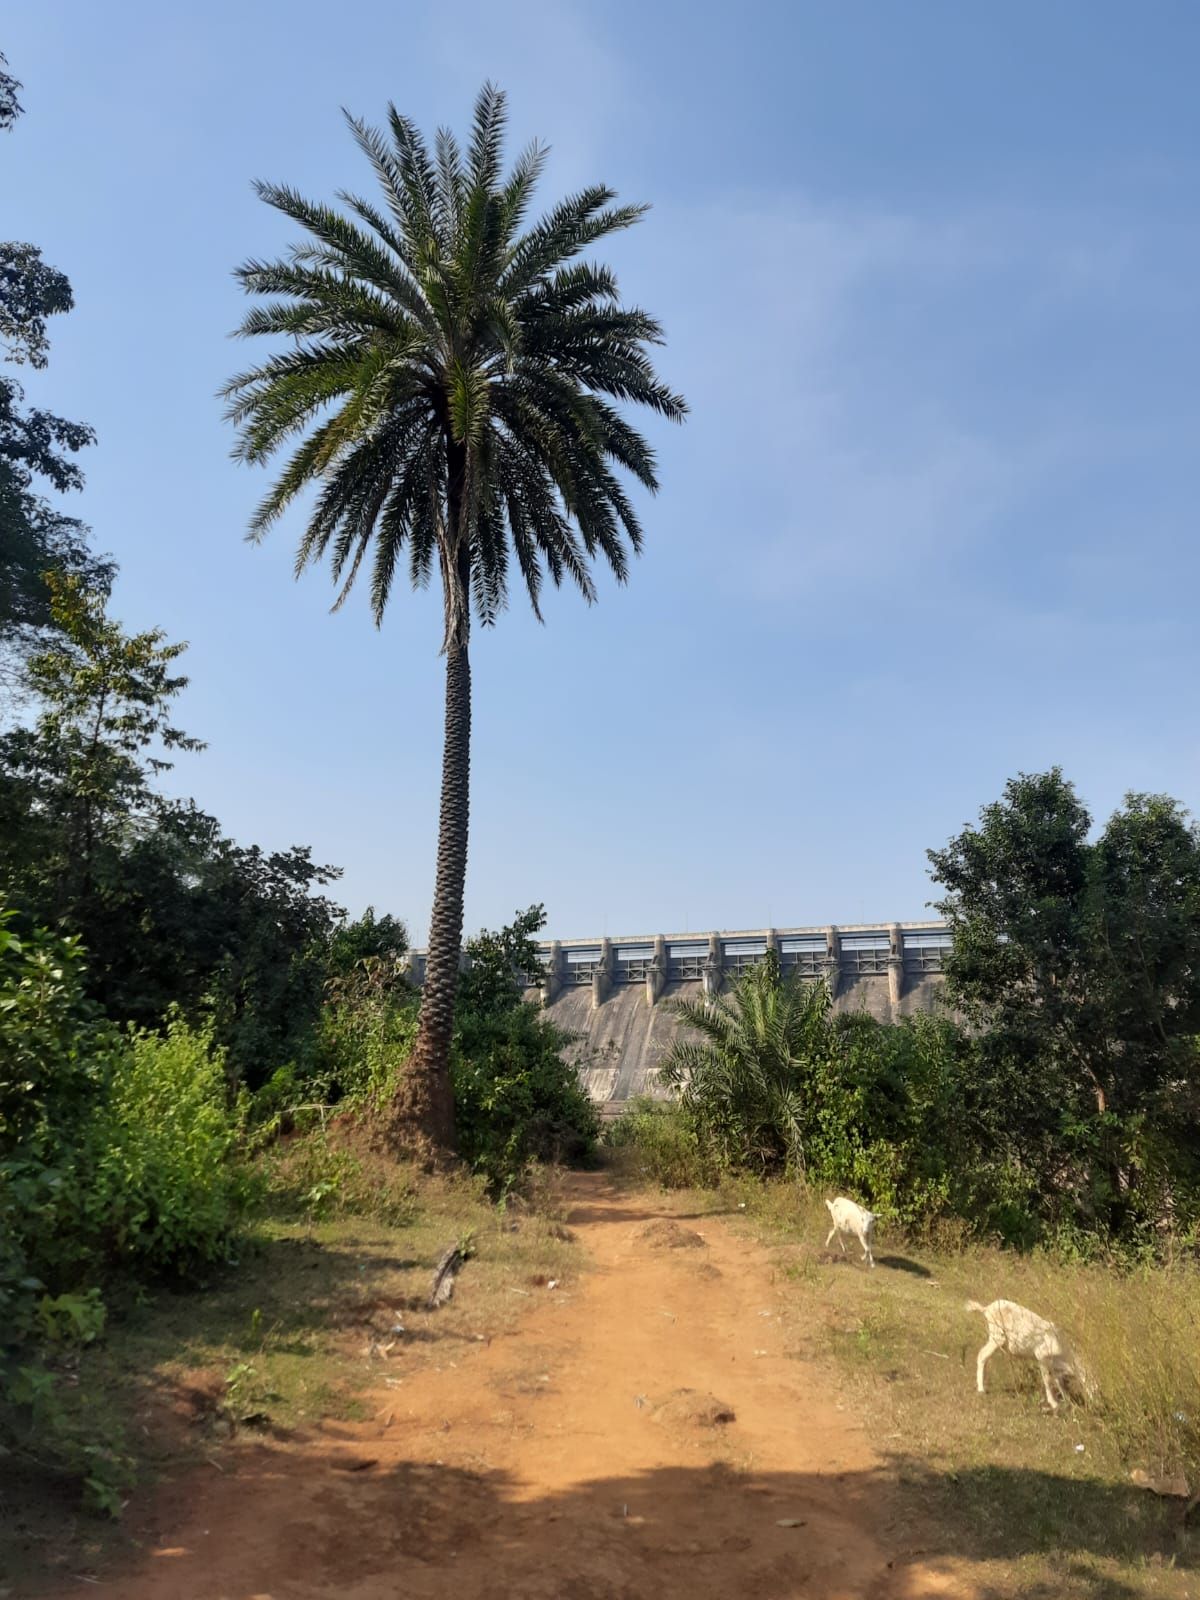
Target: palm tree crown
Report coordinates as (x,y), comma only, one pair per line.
(745,1059)
(468,370)
(453,383)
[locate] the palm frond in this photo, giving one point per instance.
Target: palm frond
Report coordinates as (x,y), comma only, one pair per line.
(430,321)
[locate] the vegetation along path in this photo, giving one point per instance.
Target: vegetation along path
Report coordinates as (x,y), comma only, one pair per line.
(565,1458)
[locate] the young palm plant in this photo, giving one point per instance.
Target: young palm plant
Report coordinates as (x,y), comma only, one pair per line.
(451,378)
(741,1072)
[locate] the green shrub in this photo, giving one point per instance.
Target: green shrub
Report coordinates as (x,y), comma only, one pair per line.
(167,1188)
(366,1035)
(316,1174)
(659,1140)
(118,1155)
(516,1099)
(741,1065)
(910,1117)
(56,1061)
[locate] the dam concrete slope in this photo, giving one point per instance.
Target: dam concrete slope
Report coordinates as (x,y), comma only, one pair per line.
(618,1044)
(614,996)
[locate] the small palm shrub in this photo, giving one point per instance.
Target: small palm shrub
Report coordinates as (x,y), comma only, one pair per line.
(741,1077)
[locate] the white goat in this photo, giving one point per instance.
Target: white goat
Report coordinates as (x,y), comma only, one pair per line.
(1023,1333)
(850,1218)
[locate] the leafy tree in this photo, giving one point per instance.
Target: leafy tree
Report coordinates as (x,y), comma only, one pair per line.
(34,538)
(499,961)
(452,377)
(255,959)
(10,106)
(518,1099)
(368,938)
(1079,964)
(171,911)
(82,771)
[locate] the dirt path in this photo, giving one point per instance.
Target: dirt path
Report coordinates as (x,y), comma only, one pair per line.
(539,1466)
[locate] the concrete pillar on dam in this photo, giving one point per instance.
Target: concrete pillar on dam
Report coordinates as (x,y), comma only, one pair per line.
(714,966)
(771,940)
(833,960)
(602,978)
(656,978)
(552,977)
(895,963)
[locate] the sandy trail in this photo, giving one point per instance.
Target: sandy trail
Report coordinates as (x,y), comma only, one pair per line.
(536,1467)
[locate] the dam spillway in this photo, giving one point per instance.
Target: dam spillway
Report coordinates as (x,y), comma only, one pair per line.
(612,995)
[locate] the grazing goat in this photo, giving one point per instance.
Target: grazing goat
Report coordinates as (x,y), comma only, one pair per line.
(850,1218)
(1023,1333)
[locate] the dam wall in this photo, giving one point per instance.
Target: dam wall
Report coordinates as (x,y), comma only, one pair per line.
(612,996)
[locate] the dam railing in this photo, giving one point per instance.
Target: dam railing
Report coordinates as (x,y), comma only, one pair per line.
(839,954)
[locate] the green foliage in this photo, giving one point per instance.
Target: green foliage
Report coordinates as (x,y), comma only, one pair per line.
(368,939)
(516,1099)
(317,1175)
(1078,963)
(117,1157)
(35,539)
(772,1081)
(498,962)
(168,1191)
(174,913)
(463,368)
(56,1063)
(741,1077)
(366,1034)
(665,1144)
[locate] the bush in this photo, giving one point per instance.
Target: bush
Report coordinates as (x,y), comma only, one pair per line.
(320,1174)
(367,1032)
(909,1116)
(56,1061)
(661,1142)
(516,1099)
(167,1190)
(119,1157)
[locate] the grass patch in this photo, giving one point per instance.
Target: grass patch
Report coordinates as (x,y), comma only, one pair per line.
(1044,1501)
(296,1332)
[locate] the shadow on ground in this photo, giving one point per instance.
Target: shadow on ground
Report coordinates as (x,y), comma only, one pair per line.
(330,1522)
(903,1264)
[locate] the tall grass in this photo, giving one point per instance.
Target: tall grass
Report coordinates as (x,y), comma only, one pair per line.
(1135,1325)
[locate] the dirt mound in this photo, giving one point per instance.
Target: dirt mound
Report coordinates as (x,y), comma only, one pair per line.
(694,1408)
(667,1235)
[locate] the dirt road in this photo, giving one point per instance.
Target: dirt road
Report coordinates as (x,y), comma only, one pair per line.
(561,1462)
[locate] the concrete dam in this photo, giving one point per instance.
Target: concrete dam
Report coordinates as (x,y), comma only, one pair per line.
(612,995)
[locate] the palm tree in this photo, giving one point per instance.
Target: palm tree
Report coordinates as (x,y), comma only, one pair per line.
(452,379)
(744,1060)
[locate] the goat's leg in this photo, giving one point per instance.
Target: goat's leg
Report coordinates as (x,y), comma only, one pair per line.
(1051,1401)
(829,1240)
(985,1355)
(867,1256)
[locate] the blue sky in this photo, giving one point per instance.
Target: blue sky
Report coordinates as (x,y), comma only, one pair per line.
(929,279)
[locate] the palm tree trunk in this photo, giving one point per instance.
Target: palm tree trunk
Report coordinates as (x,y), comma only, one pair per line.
(423,1111)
